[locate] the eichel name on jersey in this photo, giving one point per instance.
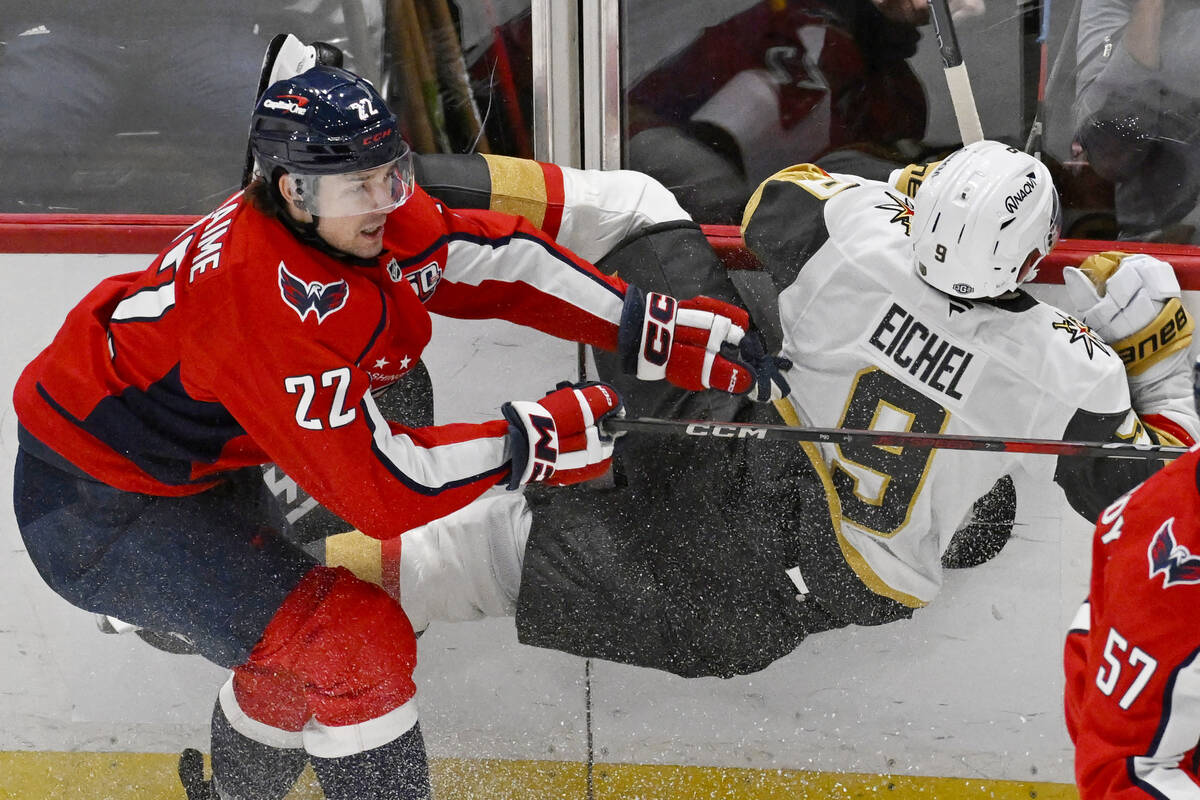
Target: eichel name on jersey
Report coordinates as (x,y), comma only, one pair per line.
(917,349)
(876,347)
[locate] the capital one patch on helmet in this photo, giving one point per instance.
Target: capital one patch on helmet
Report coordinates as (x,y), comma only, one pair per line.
(322,299)
(291,103)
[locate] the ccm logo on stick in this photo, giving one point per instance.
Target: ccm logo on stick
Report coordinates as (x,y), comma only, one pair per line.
(725,431)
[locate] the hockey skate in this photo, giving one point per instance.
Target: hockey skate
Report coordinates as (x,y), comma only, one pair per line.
(191,775)
(174,643)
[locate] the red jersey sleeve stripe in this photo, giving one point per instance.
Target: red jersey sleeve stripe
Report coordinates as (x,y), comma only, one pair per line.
(555,197)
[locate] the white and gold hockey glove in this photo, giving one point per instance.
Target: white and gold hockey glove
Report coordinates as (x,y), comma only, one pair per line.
(1133,302)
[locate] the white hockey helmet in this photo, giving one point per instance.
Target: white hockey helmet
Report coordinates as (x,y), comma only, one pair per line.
(983,219)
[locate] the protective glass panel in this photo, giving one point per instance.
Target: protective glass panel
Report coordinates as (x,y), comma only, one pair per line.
(461,72)
(144,107)
(718,95)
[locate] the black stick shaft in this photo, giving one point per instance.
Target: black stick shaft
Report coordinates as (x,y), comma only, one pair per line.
(945,441)
(962,98)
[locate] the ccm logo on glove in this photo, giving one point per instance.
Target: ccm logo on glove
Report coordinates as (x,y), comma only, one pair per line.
(660,327)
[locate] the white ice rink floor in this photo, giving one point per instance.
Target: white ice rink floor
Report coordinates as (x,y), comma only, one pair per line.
(969,688)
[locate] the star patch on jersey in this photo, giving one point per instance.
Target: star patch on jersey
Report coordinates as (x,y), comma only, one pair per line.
(1081,333)
(322,299)
(902,211)
(1176,563)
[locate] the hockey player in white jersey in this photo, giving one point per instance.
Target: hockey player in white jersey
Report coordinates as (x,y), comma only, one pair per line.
(899,313)
(906,315)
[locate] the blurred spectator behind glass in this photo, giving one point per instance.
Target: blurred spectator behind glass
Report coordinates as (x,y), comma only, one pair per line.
(1137,111)
(777,84)
(136,105)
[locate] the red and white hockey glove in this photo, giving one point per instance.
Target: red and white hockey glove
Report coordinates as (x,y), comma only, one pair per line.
(696,344)
(557,440)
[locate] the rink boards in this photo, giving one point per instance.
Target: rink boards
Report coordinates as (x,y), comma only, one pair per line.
(964,700)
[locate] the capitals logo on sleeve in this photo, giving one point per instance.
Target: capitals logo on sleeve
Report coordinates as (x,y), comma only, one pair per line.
(320,298)
(1175,562)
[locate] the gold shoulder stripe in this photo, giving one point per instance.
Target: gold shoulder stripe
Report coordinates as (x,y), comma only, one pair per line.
(518,187)
(853,558)
(1165,437)
(809,177)
(1170,332)
(358,553)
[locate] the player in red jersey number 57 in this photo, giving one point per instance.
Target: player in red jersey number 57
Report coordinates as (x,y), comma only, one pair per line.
(1132,655)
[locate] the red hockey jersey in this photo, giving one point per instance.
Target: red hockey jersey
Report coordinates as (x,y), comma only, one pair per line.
(1132,657)
(240,345)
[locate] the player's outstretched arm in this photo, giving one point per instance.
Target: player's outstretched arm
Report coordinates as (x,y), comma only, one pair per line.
(1133,302)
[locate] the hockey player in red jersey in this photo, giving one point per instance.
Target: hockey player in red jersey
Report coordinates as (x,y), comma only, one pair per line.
(1132,675)
(259,335)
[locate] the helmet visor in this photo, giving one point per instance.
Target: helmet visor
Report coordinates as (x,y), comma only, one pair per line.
(350,194)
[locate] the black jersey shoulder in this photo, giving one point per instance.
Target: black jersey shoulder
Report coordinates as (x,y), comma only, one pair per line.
(784,222)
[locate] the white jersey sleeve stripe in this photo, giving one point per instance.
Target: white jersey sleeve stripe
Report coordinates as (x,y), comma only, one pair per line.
(1082,621)
(1158,771)
(146,304)
(471,260)
(430,470)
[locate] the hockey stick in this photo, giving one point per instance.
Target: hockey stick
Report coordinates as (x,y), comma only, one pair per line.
(1052,82)
(1033,145)
(292,57)
(453,70)
(959,83)
(944,441)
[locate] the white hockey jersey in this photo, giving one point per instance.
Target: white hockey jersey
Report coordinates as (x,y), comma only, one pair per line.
(876,347)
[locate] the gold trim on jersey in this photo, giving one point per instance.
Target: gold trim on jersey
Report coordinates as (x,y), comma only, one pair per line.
(809,177)
(518,187)
(1165,437)
(1170,332)
(358,553)
(853,558)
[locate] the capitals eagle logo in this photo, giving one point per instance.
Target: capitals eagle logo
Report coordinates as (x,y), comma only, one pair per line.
(320,298)
(1176,563)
